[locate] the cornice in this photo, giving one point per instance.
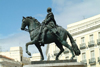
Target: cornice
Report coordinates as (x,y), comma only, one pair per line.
(85,30)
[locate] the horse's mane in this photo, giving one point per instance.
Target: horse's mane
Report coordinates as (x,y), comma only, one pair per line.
(30,17)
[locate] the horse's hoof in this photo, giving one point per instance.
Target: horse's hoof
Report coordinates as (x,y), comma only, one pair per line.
(57,59)
(42,59)
(72,57)
(29,54)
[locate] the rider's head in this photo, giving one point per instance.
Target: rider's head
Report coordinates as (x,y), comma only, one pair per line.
(49,9)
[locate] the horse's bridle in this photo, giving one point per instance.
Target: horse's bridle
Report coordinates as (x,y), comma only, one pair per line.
(28,30)
(31,30)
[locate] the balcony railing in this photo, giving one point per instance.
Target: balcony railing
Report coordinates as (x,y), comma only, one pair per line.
(66,51)
(91,43)
(84,61)
(83,46)
(92,61)
(56,52)
(98,41)
(98,59)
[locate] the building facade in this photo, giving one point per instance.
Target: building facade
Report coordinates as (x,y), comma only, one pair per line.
(35,57)
(17,54)
(8,62)
(86,34)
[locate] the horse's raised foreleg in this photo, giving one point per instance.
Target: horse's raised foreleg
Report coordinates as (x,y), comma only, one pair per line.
(69,47)
(59,45)
(29,43)
(39,48)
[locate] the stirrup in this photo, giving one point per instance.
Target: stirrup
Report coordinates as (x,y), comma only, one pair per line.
(41,41)
(42,44)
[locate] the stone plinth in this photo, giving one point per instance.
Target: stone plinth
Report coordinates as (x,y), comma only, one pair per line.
(59,63)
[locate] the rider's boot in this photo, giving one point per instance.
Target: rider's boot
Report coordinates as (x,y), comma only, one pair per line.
(42,41)
(43,36)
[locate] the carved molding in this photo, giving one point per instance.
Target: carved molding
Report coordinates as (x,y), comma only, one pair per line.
(83,28)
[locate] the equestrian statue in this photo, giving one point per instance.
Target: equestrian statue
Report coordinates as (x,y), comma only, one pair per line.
(47,32)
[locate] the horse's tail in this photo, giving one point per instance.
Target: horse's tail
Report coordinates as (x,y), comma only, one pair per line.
(74,45)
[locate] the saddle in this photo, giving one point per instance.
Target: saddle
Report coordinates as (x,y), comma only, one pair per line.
(52,31)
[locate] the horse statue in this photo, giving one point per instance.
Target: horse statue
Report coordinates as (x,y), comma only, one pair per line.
(59,39)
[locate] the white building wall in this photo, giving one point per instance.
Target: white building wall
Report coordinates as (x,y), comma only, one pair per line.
(9,63)
(35,57)
(26,61)
(85,28)
(17,54)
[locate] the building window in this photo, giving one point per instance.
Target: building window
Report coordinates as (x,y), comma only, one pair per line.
(67,57)
(21,58)
(91,37)
(83,56)
(98,35)
(82,40)
(92,54)
(99,52)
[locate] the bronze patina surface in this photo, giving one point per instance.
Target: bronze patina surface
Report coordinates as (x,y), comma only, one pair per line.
(47,32)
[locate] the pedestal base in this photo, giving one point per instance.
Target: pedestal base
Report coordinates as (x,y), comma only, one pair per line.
(59,63)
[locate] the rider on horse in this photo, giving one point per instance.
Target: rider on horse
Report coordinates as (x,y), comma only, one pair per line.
(48,24)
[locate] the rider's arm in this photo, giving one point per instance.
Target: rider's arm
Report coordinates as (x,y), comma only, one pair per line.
(50,16)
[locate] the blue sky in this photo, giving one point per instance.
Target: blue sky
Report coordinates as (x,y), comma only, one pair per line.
(11,12)
(65,12)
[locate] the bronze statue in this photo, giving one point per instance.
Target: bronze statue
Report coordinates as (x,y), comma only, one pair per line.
(52,33)
(48,23)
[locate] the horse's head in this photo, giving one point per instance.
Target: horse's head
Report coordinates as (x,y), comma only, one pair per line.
(23,23)
(31,22)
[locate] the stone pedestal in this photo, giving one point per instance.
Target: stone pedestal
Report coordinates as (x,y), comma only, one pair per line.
(59,63)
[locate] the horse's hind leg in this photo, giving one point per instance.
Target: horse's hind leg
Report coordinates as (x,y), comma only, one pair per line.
(59,45)
(39,48)
(69,47)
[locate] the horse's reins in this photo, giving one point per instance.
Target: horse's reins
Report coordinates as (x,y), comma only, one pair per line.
(30,30)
